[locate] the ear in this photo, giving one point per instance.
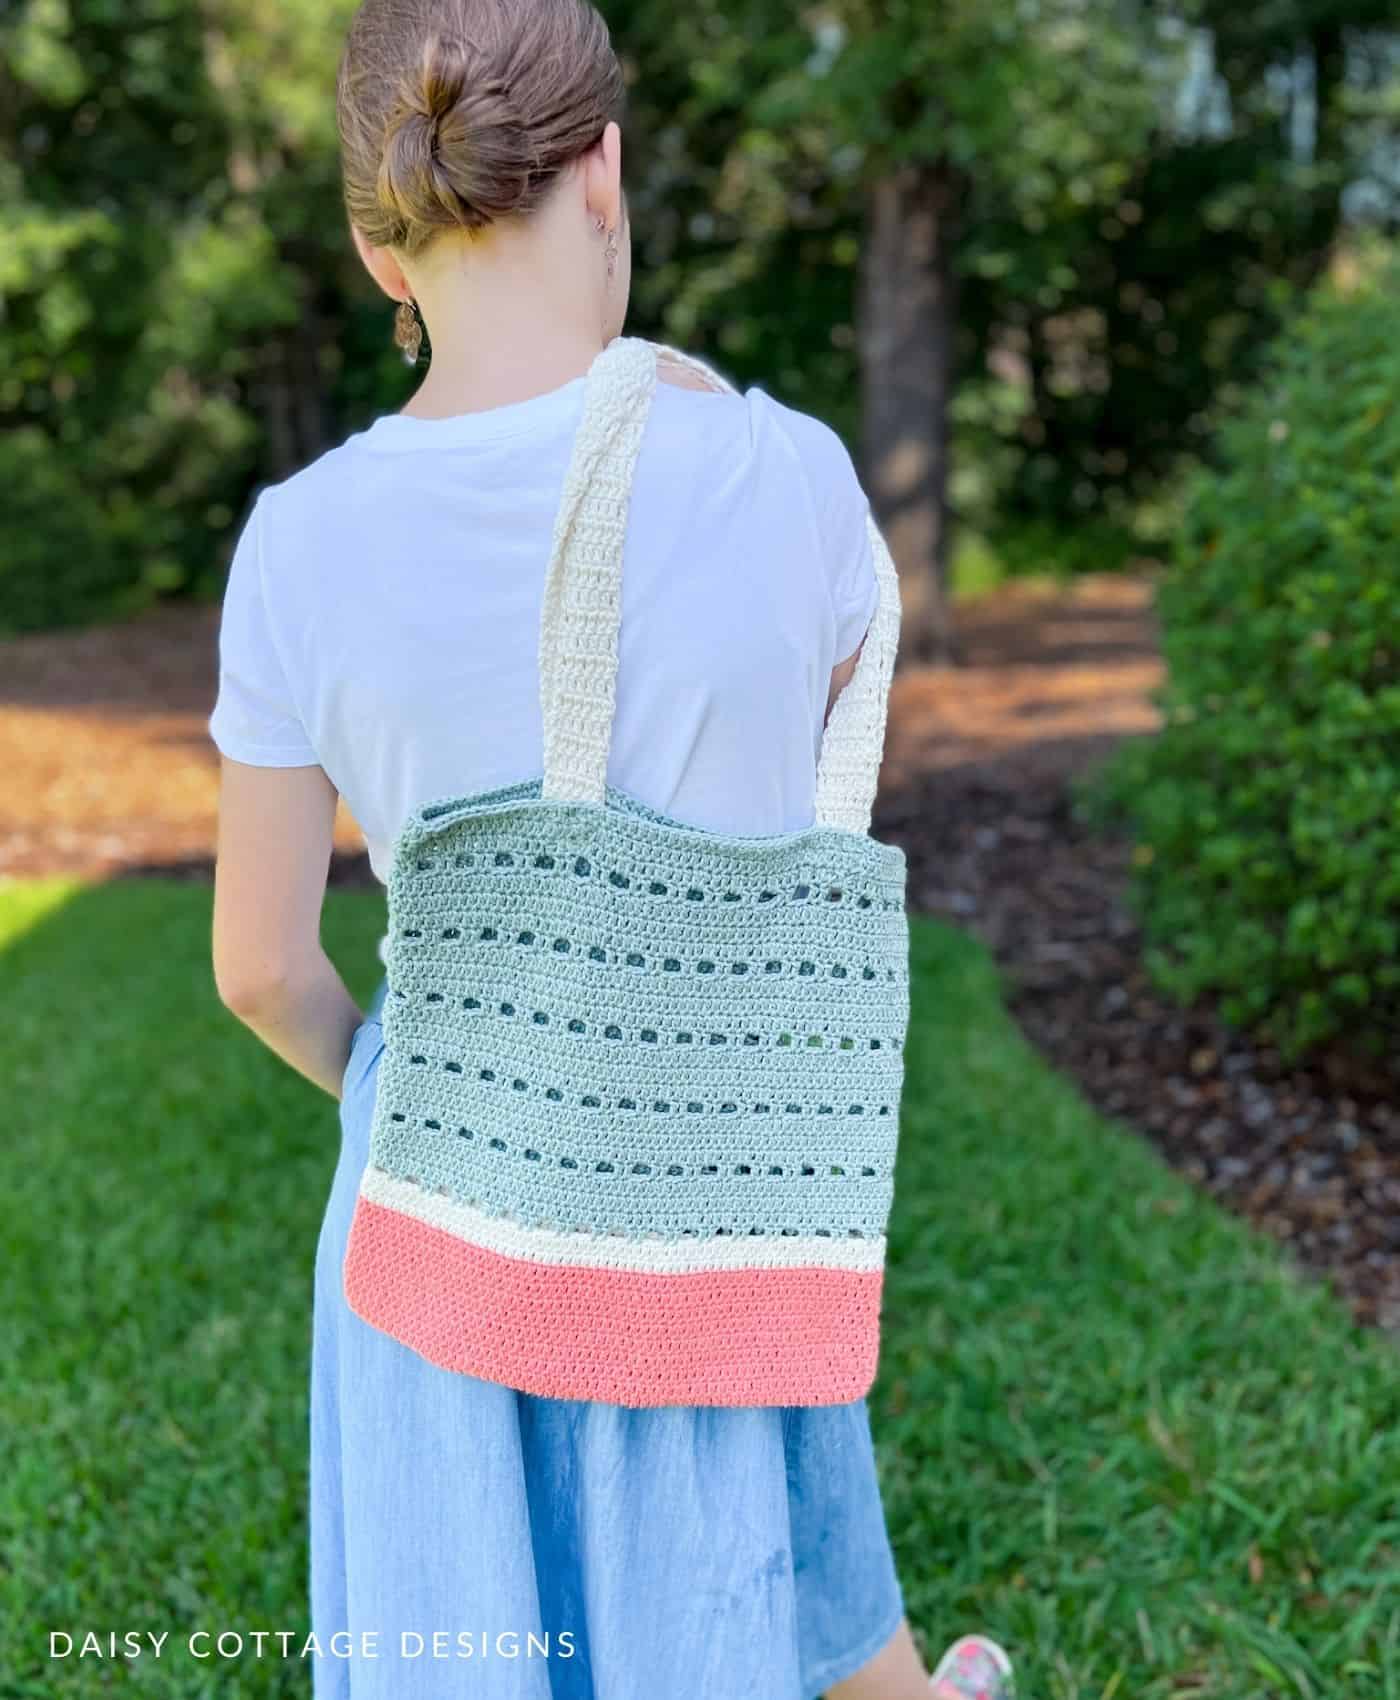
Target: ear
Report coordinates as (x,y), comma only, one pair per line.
(382,267)
(603,179)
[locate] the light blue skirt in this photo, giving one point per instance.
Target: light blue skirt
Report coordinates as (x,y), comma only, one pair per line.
(469,1540)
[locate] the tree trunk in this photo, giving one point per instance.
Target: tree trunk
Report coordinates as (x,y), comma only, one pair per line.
(288,397)
(906,318)
(1329,142)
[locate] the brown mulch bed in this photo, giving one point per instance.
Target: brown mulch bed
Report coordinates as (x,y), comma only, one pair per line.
(1310,1154)
(105,763)
(106,770)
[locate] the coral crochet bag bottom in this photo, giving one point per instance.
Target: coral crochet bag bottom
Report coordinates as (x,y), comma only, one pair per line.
(636,1115)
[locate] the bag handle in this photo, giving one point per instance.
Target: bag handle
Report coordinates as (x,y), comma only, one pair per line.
(583,581)
(582,604)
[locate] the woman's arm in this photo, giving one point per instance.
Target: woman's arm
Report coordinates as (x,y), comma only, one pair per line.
(840,678)
(275,834)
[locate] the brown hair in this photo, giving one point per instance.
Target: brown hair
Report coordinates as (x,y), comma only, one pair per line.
(454,113)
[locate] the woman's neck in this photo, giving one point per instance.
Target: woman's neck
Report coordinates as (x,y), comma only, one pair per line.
(471,380)
(507,319)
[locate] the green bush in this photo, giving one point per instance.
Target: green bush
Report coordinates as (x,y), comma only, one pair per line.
(57,559)
(1266,811)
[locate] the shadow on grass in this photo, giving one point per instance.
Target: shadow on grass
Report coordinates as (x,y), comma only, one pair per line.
(1112,1428)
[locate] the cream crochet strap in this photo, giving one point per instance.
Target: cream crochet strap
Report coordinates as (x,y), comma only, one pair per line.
(582,604)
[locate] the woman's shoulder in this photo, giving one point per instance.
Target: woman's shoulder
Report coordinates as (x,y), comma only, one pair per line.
(814,453)
(340,464)
(811,441)
(804,439)
(332,493)
(685,372)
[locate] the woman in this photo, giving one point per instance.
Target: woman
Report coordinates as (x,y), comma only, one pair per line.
(379,642)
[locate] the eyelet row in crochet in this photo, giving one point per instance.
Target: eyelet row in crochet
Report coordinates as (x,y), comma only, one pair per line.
(656,1106)
(647,1035)
(561,945)
(803,891)
(801,1169)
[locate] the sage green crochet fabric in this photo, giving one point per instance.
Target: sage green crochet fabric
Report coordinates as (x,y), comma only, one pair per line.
(601,1019)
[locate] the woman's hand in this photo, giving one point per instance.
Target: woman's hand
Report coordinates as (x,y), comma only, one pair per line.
(275,833)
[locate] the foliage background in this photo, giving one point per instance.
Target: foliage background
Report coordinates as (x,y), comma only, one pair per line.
(1125,194)
(1266,813)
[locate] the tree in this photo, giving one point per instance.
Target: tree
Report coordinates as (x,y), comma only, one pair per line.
(1007,227)
(1137,320)
(951,111)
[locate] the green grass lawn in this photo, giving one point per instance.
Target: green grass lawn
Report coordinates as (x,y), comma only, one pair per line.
(1113,1430)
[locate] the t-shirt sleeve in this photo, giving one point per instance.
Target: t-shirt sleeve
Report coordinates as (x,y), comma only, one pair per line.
(855,589)
(255,717)
(841,511)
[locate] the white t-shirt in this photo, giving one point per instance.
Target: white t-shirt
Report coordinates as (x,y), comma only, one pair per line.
(381,618)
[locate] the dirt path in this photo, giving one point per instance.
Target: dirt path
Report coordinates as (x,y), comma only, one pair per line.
(106,766)
(105,763)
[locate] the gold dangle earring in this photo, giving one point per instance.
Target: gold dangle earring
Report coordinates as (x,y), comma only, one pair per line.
(610,257)
(610,252)
(408,329)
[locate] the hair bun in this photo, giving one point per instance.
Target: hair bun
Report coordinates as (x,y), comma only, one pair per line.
(453,113)
(456,151)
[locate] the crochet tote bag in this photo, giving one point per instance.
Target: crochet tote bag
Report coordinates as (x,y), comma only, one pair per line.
(635,1121)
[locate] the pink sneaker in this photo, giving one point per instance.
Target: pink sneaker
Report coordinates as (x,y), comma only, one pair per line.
(973,1668)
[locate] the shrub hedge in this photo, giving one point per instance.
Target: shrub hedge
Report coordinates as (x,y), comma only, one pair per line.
(1266,810)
